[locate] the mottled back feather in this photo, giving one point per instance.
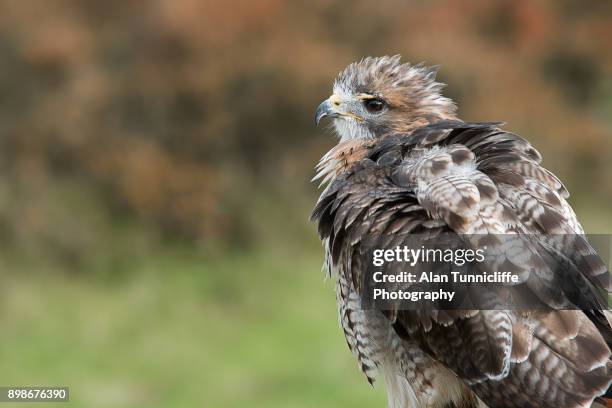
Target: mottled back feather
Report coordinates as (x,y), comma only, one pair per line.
(472,178)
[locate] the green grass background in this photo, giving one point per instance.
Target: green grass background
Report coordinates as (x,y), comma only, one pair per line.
(181,330)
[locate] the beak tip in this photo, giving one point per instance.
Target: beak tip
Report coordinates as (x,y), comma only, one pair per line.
(323,110)
(318,119)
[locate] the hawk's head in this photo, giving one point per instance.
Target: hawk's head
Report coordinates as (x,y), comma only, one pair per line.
(378,96)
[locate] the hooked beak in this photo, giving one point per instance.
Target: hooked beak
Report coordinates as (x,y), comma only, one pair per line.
(331,108)
(323,110)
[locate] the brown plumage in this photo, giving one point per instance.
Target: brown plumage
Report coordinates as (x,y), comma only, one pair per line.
(406,165)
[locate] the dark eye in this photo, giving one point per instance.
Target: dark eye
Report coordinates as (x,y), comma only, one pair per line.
(374,105)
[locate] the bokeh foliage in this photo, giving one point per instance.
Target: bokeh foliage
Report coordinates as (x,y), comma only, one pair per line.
(180,112)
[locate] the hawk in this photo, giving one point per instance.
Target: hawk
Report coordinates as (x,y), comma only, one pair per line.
(406,164)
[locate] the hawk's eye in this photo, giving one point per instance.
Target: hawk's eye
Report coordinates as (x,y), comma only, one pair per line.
(374,105)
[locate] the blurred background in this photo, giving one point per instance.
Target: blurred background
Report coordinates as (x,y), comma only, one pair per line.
(155,159)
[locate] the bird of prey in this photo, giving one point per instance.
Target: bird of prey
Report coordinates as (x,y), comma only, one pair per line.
(406,164)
